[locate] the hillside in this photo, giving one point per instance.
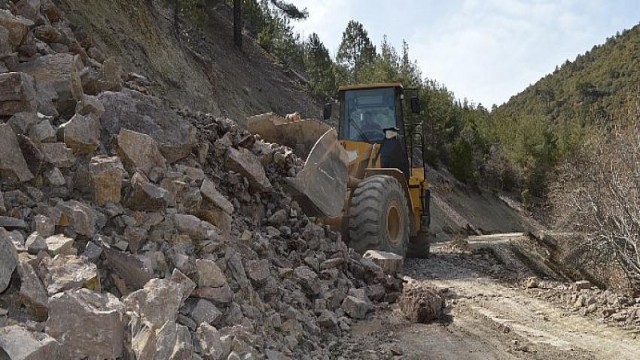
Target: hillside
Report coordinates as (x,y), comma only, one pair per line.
(593,88)
(201,70)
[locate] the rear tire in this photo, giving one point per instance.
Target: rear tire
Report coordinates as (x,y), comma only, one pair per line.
(420,246)
(379,216)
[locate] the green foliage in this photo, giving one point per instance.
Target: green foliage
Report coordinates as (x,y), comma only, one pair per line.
(356,53)
(320,69)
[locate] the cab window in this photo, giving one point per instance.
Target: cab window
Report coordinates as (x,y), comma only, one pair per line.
(367,113)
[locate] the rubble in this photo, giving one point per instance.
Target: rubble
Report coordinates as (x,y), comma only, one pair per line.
(138,230)
(421,304)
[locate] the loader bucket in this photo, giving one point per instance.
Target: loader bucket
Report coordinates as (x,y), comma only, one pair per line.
(300,136)
(321,187)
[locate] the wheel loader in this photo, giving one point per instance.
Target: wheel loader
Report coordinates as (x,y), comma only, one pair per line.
(366,178)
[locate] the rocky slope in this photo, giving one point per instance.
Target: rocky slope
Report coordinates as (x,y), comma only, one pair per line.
(129,229)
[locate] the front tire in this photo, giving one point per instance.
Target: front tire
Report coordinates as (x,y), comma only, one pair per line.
(379,216)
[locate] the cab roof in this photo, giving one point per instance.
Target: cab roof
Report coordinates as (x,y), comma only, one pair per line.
(370,86)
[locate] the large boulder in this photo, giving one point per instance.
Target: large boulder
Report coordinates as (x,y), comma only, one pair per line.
(131,269)
(209,191)
(78,216)
(57,154)
(82,133)
(148,115)
(87,324)
(244,162)
(18,343)
(107,173)
(420,304)
(65,272)
(58,80)
(16,25)
(32,292)
(145,196)
(8,259)
(157,302)
(140,152)
(13,167)
(17,93)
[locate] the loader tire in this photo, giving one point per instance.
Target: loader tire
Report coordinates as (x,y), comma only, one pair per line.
(420,246)
(379,216)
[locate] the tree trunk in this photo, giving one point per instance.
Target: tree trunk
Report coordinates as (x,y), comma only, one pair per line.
(237,23)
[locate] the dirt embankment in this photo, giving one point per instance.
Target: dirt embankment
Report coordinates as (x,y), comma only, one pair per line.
(201,70)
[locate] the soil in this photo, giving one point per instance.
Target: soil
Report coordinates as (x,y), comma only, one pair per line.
(489,315)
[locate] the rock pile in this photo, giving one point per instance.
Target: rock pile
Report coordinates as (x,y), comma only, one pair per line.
(132,230)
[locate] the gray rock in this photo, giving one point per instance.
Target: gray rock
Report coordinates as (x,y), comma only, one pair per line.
(208,274)
(234,264)
(87,324)
(58,77)
(35,243)
(48,34)
(32,292)
(11,223)
(22,122)
(190,225)
(82,133)
(308,279)
(582,284)
(5,47)
(18,343)
(55,177)
(131,269)
(258,271)
(218,295)
(29,9)
(356,308)
(209,191)
(211,343)
(107,173)
(185,284)
(328,320)
(278,218)
(389,262)
(139,152)
(8,259)
(157,302)
(173,342)
(44,225)
(65,272)
(42,132)
(205,311)
(90,105)
(59,245)
(17,26)
(80,217)
(13,167)
(92,252)
(146,196)
(58,154)
(245,163)
(148,115)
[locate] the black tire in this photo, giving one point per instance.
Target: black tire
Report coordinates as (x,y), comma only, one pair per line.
(420,246)
(379,216)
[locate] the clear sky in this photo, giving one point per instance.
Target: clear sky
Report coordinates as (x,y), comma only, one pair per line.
(482,50)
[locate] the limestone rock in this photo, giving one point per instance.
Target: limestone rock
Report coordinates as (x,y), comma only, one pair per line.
(13,167)
(11,223)
(32,292)
(420,304)
(173,342)
(58,154)
(17,93)
(208,274)
(185,284)
(8,259)
(55,177)
(48,34)
(82,133)
(355,307)
(139,152)
(29,9)
(58,79)
(90,105)
(389,262)
(244,162)
(145,114)
(59,245)
(308,279)
(5,47)
(19,343)
(218,295)
(35,243)
(107,173)
(65,272)
(209,191)
(87,324)
(131,269)
(205,311)
(211,343)
(158,301)
(146,196)
(44,225)
(42,132)
(258,271)
(17,26)
(21,122)
(80,217)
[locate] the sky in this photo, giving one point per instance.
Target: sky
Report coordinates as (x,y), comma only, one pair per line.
(483,50)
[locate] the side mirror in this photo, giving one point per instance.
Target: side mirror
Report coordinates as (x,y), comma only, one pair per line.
(415,105)
(326,111)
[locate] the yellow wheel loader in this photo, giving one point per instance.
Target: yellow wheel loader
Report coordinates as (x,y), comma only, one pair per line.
(367,178)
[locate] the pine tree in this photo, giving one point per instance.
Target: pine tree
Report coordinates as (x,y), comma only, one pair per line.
(356,52)
(319,68)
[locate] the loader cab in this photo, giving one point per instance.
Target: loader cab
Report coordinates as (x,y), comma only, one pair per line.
(369,113)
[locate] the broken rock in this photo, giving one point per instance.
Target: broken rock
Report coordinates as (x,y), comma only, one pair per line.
(158,302)
(59,245)
(80,217)
(8,259)
(245,163)
(107,173)
(420,304)
(131,269)
(139,152)
(18,343)
(146,196)
(209,191)
(17,94)
(13,167)
(65,272)
(208,274)
(87,324)
(82,133)
(389,262)
(355,307)
(58,154)
(32,292)
(17,26)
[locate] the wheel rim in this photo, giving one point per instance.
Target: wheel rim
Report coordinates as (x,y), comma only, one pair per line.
(395,223)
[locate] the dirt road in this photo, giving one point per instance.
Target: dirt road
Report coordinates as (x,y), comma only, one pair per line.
(490,315)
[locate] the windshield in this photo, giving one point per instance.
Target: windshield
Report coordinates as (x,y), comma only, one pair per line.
(367,113)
